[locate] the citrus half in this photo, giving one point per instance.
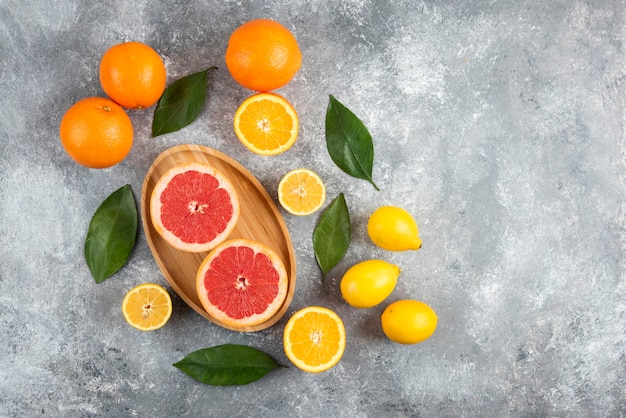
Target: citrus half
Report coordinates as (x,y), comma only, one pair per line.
(147,307)
(266,123)
(314,339)
(242,283)
(194,207)
(301,192)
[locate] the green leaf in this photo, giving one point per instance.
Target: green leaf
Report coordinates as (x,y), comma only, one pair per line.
(181,103)
(111,235)
(349,142)
(331,237)
(228,364)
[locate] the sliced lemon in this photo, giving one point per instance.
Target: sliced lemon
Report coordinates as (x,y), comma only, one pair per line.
(301,192)
(147,307)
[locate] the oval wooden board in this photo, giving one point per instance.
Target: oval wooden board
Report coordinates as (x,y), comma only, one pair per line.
(259,220)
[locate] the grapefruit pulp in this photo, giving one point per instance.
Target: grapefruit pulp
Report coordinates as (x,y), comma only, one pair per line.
(194,207)
(242,283)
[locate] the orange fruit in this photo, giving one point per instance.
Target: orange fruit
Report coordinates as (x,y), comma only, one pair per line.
(194,207)
(266,124)
(301,192)
(263,55)
(133,75)
(242,283)
(408,321)
(314,339)
(147,307)
(96,132)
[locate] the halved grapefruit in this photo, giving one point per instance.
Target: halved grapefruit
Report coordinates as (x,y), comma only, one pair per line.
(194,207)
(242,283)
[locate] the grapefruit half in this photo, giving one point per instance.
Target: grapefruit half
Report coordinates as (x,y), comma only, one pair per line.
(194,207)
(242,283)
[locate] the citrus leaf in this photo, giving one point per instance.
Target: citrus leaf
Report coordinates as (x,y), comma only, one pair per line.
(111,235)
(349,142)
(181,103)
(331,237)
(228,364)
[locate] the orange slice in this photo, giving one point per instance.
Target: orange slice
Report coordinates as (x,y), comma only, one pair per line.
(266,124)
(147,307)
(314,339)
(301,192)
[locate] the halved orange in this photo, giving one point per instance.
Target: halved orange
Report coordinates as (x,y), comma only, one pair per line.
(301,192)
(266,123)
(147,307)
(314,339)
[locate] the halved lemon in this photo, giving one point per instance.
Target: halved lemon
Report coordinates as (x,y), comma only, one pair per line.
(266,123)
(301,192)
(314,339)
(147,307)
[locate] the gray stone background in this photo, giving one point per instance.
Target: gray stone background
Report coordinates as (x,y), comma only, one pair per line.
(500,125)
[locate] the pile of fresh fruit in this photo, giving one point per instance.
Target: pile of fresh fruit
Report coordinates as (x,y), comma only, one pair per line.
(194,207)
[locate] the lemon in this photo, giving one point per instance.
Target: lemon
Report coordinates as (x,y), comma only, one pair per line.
(369,282)
(394,229)
(408,321)
(147,306)
(301,192)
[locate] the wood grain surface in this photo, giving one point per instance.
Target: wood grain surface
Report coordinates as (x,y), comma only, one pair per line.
(259,220)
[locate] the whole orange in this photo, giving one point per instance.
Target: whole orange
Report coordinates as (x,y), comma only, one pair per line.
(96,132)
(133,75)
(263,55)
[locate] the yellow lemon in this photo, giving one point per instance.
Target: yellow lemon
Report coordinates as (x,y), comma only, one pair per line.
(301,192)
(393,229)
(408,321)
(147,307)
(369,282)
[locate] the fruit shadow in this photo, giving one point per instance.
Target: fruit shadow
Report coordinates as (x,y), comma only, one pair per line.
(366,324)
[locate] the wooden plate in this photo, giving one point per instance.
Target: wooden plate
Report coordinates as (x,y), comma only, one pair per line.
(259,220)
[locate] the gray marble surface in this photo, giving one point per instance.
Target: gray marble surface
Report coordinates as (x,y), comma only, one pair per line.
(500,125)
